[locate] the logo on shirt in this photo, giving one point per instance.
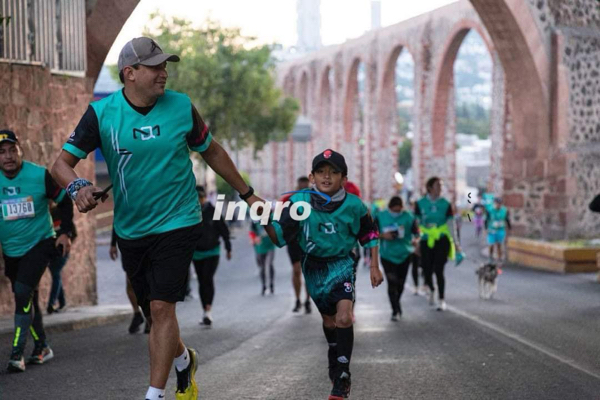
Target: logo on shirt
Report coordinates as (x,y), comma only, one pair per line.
(147,132)
(327,228)
(11,191)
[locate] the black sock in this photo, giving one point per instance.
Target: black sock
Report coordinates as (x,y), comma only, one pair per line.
(330,335)
(345,340)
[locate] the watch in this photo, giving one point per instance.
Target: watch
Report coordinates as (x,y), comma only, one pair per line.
(248,194)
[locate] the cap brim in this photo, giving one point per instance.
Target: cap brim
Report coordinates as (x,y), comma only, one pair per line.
(9,140)
(327,162)
(159,59)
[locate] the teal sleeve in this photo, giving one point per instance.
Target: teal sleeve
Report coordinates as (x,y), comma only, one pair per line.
(75,151)
(279,232)
(204,145)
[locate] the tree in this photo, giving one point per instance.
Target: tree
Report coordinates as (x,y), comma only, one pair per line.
(229,79)
(405,156)
(224,188)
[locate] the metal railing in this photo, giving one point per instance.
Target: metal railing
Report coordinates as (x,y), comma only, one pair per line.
(47,32)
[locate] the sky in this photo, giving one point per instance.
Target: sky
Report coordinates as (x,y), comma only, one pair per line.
(274,21)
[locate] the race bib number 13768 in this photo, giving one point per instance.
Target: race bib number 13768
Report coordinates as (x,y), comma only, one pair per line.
(18,208)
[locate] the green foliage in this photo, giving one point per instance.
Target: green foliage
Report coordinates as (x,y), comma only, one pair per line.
(114,72)
(224,187)
(473,119)
(229,79)
(405,156)
(403,120)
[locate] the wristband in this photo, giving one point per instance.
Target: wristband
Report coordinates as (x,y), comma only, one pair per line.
(73,187)
(247,195)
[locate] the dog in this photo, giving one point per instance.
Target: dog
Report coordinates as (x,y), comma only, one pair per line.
(488,279)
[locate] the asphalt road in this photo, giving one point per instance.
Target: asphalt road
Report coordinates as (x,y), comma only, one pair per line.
(538,339)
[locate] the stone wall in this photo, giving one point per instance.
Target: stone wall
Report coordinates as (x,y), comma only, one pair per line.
(43,109)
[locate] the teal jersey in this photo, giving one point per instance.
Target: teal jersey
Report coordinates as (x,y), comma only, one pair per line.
(433,213)
(330,234)
(404,228)
(265,245)
(148,161)
(497,219)
(26,216)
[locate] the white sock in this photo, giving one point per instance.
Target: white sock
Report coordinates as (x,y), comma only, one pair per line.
(155,393)
(182,361)
(208,314)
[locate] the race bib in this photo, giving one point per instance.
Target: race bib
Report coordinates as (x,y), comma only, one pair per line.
(18,208)
(401,232)
(498,224)
(391,228)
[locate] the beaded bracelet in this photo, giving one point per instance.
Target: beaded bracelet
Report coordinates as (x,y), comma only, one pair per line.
(73,187)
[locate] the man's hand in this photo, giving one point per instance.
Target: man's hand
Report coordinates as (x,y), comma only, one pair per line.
(386,236)
(113,252)
(228,255)
(64,241)
(376,276)
(85,198)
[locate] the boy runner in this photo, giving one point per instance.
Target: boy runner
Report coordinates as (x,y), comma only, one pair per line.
(327,238)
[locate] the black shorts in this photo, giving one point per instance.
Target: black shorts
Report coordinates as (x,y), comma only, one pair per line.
(158,265)
(294,251)
(329,281)
(29,268)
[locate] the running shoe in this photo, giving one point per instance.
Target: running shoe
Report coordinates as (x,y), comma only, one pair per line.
(394,317)
(264,290)
(442,305)
(206,321)
(298,306)
(415,291)
(16,363)
(40,355)
(307,307)
(136,322)
(186,383)
(341,387)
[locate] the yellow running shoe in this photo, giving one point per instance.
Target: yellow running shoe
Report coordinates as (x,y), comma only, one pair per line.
(186,383)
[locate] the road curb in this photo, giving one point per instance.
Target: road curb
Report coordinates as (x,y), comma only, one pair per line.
(75,319)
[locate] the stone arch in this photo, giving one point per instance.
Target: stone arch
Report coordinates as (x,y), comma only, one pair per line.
(302,94)
(324,134)
(104,20)
(444,82)
(387,97)
(351,98)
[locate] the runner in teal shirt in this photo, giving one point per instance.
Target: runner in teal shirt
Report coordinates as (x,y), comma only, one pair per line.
(146,134)
(398,232)
(496,221)
(336,221)
(29,242)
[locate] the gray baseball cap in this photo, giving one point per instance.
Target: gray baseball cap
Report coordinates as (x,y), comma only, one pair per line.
(144,51)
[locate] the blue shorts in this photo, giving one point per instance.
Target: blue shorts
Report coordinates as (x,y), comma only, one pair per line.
(496,237)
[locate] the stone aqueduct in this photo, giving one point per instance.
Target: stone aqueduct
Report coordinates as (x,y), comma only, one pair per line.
(546,123)
(545,127)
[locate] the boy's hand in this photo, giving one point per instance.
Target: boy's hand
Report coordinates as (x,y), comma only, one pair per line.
(376,276)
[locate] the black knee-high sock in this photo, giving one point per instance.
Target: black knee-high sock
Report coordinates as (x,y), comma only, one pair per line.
(345,338)
(330,335)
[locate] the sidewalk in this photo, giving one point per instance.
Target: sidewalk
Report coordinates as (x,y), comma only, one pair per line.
(76,318)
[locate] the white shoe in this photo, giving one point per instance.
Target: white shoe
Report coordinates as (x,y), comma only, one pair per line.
(415,291)
(442,305)
(432,299)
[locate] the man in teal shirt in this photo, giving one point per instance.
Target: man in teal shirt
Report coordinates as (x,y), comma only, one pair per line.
(496,222)
(146,134)
(29,241)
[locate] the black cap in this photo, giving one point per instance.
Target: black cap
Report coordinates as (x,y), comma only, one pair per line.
(8,136)
(333,158)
